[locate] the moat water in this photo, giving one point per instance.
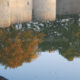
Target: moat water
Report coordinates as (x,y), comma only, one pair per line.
(41,50)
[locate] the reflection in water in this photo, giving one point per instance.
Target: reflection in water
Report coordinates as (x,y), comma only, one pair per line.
(15,11)
(23,42)
(17,46)
(44,10)
(63,35)
(64,7)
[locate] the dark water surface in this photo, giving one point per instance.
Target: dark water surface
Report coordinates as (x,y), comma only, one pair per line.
(41,50)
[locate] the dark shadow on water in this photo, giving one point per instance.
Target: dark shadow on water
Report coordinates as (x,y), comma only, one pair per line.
(2,78)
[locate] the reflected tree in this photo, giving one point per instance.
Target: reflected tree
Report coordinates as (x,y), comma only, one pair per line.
(22,43)
(63,35)
(18,46)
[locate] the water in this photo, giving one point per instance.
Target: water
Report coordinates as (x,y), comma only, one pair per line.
(41,50)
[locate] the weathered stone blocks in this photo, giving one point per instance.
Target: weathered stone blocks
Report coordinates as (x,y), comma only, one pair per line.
(44,9)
